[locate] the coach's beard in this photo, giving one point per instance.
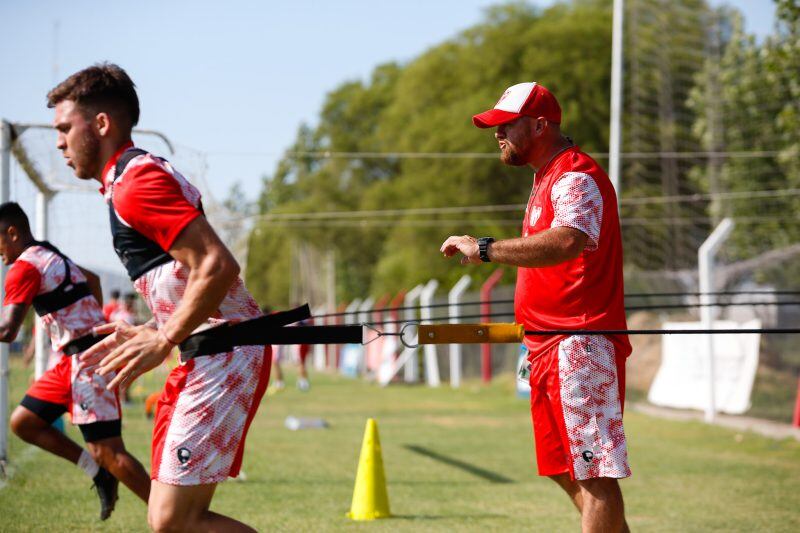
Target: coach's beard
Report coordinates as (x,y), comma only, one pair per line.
(511,157)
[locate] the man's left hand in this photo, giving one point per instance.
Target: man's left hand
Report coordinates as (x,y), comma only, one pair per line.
(142,352)
(465,244)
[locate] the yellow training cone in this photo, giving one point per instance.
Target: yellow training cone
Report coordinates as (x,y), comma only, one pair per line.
(370,499)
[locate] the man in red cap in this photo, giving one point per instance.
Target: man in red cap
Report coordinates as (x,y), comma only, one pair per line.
(569,261)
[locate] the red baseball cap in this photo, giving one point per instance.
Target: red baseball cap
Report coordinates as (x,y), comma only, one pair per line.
(528,98)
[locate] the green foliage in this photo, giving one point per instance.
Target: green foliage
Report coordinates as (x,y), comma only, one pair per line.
(426,106)
(702,86)
(752,107)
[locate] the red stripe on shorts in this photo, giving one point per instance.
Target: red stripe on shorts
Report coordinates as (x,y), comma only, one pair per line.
(263,381)
(164,411)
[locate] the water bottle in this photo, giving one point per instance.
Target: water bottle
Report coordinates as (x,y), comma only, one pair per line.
(294,423)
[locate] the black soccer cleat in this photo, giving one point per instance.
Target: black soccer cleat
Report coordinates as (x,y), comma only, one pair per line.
(106,486)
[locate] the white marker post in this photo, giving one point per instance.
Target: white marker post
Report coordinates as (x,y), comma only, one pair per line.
(431,359)
(454,299)
(705,265)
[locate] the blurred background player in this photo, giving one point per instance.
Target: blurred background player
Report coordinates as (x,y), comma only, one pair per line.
(111,305)
(67,299)
(125,311)
(284,354)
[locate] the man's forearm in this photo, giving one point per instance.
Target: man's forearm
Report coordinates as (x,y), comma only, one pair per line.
(12,318)
(206,287)
(547,248)
(6,333)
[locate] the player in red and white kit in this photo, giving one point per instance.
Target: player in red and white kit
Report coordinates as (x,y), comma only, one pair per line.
(569,277)
(66,298)
(188,279)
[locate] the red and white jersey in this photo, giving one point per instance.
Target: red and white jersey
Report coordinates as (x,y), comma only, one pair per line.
(38,271)
(587,292)
(155,200)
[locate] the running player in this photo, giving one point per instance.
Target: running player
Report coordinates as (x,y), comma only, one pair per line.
(188,279)
(67,298)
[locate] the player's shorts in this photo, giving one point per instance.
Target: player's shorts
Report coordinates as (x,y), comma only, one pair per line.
(577,398)
(82,393)
(204,413)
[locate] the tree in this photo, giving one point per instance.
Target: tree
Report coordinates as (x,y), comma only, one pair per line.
(426,106)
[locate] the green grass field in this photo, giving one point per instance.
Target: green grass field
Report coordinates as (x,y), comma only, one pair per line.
(455,461)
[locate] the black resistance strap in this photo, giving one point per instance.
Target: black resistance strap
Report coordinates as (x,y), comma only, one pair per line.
(268,329)
(81,344)
(67,292)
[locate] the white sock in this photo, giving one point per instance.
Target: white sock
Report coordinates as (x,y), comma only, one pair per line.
(87,464)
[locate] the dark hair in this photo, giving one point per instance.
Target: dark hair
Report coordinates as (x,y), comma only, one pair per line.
(115,294)
(11,214)
(103,87)
(130,296)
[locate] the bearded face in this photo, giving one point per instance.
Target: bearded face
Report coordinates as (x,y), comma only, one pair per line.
(515,140)
(77,140)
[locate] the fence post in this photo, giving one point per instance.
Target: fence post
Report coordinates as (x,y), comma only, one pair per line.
(5,173)
(389,350)
(320,350)
(42,353)
(431,359)
(337,321)
(705,262)
(364,313)
(411,371)
(486,310)
(796,419)
(375,348)
(454,299)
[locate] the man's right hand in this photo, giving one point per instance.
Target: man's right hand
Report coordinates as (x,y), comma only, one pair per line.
(465,244)
(118,332)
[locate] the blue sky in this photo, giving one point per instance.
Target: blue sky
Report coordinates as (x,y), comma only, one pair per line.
(233,79)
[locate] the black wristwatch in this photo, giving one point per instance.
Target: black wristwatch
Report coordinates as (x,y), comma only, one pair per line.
(483,248)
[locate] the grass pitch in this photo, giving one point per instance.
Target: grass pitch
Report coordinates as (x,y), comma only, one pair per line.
(456,460)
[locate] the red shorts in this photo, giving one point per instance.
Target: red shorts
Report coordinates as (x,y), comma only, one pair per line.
(577,396)
(204,413)
(81,393)
(303,351)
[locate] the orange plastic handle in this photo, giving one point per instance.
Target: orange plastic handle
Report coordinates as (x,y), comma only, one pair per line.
(469,333)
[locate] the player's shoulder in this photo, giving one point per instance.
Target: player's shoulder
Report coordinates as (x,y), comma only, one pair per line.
(581,167)
(141,168)
(144,178)
(22,268)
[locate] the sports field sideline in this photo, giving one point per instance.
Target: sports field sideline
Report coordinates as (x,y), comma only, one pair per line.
(456,460)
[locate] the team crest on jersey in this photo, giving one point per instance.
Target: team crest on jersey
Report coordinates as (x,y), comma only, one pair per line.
(536,212)
(184,455)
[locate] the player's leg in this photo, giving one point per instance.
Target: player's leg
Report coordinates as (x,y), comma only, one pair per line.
(587,408)
(32,422)
(603,508)
(551,455)
(277,373)
(38,431)
(204,413)
(572,489)
(110,453)
(302,380)
(186,508)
